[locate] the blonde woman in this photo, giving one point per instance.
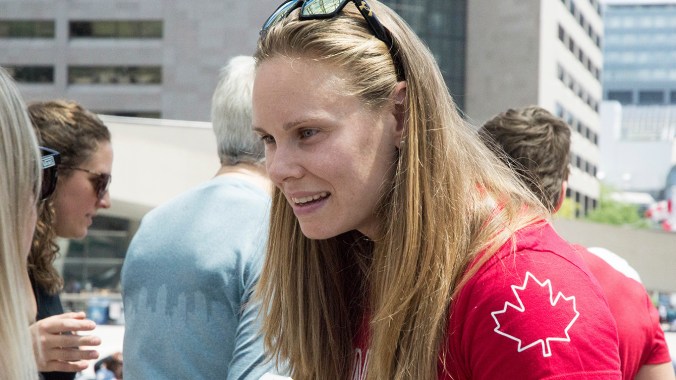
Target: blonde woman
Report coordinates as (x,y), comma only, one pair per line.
(399,246)
(19,191)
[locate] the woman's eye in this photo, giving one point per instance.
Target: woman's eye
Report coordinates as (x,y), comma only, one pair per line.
(305,133)
(267,139)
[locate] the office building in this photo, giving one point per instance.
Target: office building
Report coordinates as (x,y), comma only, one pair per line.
(639,52)
(496,55)
(442,24)
(547,53)
(147,58)
(639,81)
(638,148)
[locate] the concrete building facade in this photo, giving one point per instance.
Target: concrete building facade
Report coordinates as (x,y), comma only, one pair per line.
(131,58)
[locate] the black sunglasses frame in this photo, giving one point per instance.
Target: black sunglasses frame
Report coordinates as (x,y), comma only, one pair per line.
(102,180)
(283,11)
(50,171)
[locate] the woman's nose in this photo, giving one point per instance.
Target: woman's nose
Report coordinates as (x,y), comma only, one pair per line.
(283,165)
(105,201)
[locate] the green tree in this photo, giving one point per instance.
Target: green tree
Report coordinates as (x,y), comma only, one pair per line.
(610,211)
(567,210)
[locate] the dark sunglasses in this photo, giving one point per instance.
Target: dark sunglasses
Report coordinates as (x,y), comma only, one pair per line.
(323,9)
(101,181)
(50,172)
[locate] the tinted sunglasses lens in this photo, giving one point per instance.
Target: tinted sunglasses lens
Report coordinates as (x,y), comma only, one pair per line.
(48,182)
(280,13)
(320,7)
(50,162)
(102,184)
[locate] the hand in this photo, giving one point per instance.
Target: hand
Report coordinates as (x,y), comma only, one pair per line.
(57,345)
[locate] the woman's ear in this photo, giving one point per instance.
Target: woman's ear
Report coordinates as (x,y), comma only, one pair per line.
(400,112)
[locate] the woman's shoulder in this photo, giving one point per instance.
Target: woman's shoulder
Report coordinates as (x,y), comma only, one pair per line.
(533,304)
(534,248)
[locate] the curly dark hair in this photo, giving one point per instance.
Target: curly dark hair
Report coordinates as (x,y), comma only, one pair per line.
(44,251)
(75,133)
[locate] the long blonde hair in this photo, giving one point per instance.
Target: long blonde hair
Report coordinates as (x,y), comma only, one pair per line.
(438,215)
(20,178)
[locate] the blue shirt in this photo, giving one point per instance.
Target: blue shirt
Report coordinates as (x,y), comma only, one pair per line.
(187,281)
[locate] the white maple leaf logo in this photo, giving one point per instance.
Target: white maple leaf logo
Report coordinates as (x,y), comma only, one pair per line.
(524,323)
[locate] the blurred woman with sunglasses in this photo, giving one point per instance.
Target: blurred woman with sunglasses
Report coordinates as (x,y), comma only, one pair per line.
(86,155)
(399,246)
(19,194)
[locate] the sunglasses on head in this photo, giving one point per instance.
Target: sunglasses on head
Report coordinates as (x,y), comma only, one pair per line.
(323,9)
(50,163)
(101,181)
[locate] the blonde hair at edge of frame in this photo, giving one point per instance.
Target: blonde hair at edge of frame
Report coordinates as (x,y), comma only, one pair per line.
(20,172)
(438,213)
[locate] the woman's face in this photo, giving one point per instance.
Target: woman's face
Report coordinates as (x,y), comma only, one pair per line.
(330,156)
(75,198)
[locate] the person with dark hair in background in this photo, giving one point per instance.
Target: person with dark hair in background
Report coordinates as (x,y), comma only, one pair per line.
(193,263)
(20,192)
(400,247)
(83,142)
(536,144)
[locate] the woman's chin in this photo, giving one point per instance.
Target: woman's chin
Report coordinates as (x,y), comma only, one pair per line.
(317,233)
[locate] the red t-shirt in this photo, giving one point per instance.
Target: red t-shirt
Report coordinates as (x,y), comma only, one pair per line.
(638,322)
(534,312)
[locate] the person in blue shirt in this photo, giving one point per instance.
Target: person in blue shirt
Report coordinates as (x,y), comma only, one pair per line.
(191,267)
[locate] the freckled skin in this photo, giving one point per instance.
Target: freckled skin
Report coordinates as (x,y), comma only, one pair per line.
(319,140)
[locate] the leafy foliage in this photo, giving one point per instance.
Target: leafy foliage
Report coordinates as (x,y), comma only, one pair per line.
(609,211)
(568,209)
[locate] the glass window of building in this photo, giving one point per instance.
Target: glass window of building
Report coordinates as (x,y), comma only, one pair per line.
(132,75)
(31,74)
(26,28)
(651,97)
(441,24)
(622,96)
(612,22)
(116,29)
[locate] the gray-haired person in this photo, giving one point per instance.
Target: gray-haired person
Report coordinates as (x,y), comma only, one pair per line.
(191,268)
